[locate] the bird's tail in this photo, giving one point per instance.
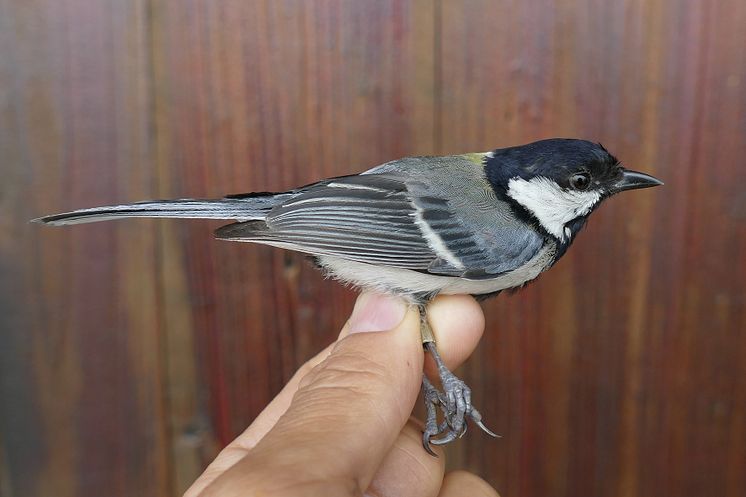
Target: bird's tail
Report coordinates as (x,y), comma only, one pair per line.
(242,207)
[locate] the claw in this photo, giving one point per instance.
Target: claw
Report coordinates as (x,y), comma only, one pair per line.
(426,444)
(487,430)
(477,418)
(450,437)
(428,434)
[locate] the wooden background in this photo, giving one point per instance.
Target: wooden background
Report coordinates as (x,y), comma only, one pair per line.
(132,351)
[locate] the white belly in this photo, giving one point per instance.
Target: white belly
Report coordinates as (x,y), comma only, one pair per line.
(388,279)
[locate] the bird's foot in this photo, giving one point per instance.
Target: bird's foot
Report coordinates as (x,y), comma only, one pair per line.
(454,402)
(433,401)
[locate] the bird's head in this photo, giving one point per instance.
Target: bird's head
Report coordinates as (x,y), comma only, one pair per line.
(557,183)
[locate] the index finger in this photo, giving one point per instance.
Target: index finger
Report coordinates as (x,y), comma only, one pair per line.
(457,323)
(346,414)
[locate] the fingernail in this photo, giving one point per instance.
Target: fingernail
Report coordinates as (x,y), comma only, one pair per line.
(376,312)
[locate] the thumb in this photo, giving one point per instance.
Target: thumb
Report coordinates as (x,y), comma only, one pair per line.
(348,410)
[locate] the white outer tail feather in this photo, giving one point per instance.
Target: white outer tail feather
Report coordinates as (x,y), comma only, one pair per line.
(239,209)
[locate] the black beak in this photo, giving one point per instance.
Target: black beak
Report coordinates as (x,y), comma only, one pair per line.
(632,180)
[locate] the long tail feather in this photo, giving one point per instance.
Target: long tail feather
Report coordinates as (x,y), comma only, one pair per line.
(245,208)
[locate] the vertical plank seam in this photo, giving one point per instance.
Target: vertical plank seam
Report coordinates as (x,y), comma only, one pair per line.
(159,283)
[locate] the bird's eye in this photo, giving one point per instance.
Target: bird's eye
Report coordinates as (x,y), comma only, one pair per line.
(580,181)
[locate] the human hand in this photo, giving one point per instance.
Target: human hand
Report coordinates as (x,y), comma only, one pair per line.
(342,426)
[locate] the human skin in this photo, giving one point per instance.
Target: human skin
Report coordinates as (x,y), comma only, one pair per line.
(342,426)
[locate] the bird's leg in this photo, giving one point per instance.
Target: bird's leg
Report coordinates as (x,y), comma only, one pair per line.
(432,397)
(454,401)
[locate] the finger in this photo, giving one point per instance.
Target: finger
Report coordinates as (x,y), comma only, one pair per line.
(269,416)
(465,484)
(457,322)
(407,470)
(277,407)
(237,449)
(347,412)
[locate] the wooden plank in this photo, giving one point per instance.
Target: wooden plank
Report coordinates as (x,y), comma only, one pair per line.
(81,410)
(133,351)
(269,95)
(615,374)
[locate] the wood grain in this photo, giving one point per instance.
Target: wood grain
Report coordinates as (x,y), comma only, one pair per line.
(82,408)
(133,351)
(241,107)
(612,366)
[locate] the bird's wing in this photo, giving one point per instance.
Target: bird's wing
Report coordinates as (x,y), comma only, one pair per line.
(474,225)
(365,218)
(437,215)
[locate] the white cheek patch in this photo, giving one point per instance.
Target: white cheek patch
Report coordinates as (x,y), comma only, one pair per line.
(550,204)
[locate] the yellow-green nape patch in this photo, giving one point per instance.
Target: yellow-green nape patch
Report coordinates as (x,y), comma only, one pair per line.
(476,157)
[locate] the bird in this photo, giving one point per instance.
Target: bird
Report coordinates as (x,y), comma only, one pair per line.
(418,227)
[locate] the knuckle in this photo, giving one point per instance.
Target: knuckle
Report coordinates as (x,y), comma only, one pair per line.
(347,370)
(342,381)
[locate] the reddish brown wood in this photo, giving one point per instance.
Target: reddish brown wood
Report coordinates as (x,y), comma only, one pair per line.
(618,373)
(83,411)
(133,351)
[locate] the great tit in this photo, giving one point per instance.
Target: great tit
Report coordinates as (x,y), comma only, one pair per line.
(417,227)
